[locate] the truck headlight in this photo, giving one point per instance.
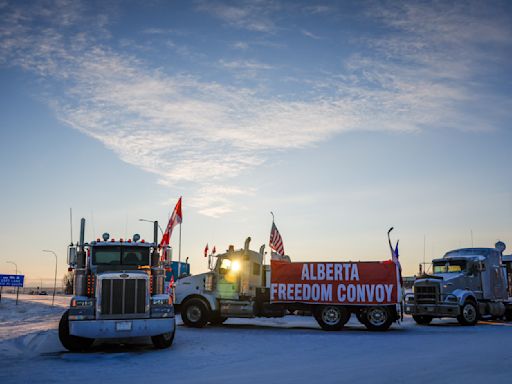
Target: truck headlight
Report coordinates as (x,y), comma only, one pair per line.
(160,301)
(235,267)
(452,299)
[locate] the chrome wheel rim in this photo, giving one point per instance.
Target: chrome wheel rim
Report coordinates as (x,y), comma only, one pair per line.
(331,315)
(377,316)
(194,314)
(469,313)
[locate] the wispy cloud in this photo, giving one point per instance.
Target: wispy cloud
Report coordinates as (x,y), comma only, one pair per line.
(188,130)
(245,65)
(246,14)
(310,34)
(240,45)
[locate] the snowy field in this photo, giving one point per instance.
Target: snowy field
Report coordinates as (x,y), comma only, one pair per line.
(288,350)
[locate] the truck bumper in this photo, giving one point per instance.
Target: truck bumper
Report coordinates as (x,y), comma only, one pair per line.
(435,310)
(106,329)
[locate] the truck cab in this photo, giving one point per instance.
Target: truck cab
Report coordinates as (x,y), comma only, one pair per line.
(118,293)
(231,288)
(465,283)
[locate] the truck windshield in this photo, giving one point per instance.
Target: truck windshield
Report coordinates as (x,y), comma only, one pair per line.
(452,266)
(120,256)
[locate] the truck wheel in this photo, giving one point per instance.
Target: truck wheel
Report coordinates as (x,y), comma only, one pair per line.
(163,341)
(376,318)
(468,313)
(422,319)
(194,313)
(331,317)
(70,342)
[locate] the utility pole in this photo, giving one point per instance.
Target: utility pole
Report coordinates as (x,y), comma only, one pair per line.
(55,278)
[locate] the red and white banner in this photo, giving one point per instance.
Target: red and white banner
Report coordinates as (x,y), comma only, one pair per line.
(353,283)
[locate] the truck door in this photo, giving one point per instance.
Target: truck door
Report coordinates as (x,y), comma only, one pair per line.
(228,280)
(498,280)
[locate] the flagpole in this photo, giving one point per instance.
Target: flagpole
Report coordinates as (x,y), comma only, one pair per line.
(179,254)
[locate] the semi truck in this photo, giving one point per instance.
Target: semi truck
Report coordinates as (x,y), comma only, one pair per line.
(118,293)
(239,284)
(465,284)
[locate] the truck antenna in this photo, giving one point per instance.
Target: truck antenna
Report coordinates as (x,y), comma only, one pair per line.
(71,224)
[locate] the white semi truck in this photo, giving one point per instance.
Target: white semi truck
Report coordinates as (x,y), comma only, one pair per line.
(466,284)
(118,293)
(240,285)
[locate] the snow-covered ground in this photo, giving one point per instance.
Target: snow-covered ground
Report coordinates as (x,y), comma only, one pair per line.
(288,350)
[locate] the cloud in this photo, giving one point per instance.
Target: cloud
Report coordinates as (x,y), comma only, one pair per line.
(248,14)
(310,34)
(189,131)
(245,65)
(241,45)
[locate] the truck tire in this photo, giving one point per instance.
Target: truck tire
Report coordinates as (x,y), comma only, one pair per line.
(331,317)
(422,319)
(70,342)
(468,313)
(376,318)
(195,313)
(163,341)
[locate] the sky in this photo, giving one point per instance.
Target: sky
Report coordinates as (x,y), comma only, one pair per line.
(343,118)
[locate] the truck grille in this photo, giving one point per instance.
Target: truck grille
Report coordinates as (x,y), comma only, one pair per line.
(123,297)
(425,294)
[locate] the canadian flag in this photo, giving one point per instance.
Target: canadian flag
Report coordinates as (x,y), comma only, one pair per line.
(206,250)
(176,218)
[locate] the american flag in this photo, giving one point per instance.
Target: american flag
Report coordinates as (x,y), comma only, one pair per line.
(276,242)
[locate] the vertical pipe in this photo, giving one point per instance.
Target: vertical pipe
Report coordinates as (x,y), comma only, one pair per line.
(179,256)
(54,279)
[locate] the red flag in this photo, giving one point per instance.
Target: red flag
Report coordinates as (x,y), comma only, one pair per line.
(206,250)
(176,218)
(214,250)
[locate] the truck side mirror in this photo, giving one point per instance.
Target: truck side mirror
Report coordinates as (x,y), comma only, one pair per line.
(72,256)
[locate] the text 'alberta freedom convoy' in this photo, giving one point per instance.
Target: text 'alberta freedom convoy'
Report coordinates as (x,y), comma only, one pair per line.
(331,282)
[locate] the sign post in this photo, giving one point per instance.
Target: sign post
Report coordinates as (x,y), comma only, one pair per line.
(12,281)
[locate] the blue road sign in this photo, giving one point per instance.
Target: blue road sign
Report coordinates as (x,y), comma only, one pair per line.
(11,280)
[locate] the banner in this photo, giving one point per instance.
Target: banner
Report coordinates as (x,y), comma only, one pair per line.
(353,283)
